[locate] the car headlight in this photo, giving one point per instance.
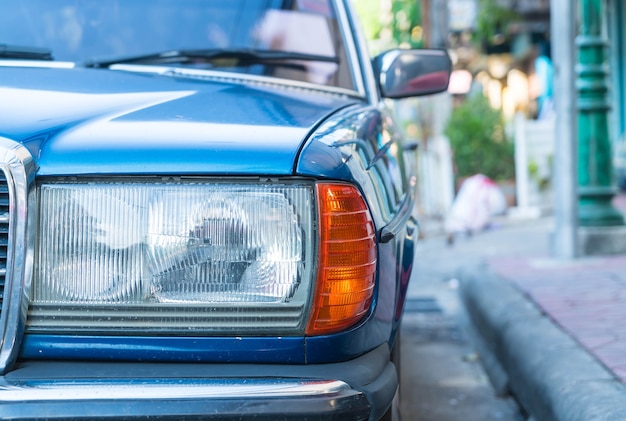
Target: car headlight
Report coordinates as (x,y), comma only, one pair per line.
(201,258)
(162,258)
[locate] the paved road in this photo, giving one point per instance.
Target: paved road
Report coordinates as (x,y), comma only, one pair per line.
(443,379)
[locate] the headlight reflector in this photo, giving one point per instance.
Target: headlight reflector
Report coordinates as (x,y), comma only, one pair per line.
(207,257)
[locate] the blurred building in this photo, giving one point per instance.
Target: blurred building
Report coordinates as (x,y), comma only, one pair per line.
(498,41)
(505,46)
(504,49)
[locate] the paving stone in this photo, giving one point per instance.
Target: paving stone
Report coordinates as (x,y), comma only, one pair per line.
(566,360)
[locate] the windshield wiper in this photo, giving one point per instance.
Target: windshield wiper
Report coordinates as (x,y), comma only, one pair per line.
(24,53)
(239,57)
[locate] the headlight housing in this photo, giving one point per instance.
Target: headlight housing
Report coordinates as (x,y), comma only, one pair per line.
(200,258)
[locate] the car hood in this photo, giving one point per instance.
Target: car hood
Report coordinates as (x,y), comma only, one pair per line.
(96,121)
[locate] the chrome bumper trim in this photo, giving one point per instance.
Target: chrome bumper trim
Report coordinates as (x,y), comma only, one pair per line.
(173,388)
(182,398)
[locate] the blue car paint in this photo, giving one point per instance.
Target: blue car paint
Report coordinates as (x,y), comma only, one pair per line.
(269,350)
(178,126)
(118,145)
(320,157)
(138,123)
(348,147)
(82,122)
(159,124)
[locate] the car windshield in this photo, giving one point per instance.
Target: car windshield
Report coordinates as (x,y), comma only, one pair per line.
(183,33)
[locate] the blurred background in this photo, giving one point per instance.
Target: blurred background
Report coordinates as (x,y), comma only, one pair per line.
(497,117)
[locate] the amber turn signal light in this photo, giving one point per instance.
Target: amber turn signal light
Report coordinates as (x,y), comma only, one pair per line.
(347,259)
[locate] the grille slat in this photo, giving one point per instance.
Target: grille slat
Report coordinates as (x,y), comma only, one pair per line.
(193,320)
(4,232)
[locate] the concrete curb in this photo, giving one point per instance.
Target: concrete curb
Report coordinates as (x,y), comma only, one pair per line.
(528,356)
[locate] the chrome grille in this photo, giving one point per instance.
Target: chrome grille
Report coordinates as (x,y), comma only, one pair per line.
(17,175)
(4,233)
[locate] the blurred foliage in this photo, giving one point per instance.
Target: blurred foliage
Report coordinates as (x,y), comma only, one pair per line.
(406,27)
(369,14)
(492,22)
(478,140)
(400,26)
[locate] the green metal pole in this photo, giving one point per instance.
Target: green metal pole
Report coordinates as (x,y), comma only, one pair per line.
(595,169)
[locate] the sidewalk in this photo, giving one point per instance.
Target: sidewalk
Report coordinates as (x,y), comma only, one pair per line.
(551,333)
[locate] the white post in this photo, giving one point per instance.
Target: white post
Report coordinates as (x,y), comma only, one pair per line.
(521,163)
(563,31)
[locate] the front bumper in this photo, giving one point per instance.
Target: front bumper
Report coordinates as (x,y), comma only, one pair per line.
(359,389)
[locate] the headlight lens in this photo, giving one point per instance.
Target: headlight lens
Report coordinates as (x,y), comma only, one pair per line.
(172,257)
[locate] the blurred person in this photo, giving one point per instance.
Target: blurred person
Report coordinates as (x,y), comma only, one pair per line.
(479,199)
(545,74)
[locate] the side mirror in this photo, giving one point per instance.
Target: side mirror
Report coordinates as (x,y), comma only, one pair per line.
(407,73)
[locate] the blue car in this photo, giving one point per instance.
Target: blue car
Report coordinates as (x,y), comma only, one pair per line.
(206,210)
